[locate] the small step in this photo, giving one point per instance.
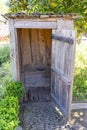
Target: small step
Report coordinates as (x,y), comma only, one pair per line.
(37,94)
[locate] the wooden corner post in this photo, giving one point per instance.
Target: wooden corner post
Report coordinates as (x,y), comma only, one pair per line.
(14,53)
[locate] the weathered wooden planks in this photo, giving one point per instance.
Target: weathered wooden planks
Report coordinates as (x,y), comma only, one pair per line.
(63,54)
(37,78)
(25,46)
(37,84)
(61,75)
(31,49)
(35,47)
(35,55)
(75,106)
(42,41)
(62,65)
(32,24)
(48,36)
(60,92)
(39,94)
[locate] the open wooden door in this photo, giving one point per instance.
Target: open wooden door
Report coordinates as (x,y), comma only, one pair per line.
(63,55)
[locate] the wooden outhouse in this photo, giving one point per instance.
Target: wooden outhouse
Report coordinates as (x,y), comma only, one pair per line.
(42,57)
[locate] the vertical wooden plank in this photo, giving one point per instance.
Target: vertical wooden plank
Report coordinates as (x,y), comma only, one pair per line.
(59,94)
(63,63)
(19,47)
(17,56)
(35,47)
(72,70)
(53,60)
(21,37)
(28,47)
(25,46)
(52,82)
(48,38)
(42,46)
(14,51)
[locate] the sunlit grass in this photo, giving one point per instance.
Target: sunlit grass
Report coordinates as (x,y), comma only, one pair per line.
(80,75)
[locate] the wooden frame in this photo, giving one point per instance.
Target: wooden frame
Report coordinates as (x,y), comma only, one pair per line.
(32,24)
(14,53)
(62,32)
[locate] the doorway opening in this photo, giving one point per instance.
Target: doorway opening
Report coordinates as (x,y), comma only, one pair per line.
(35,62)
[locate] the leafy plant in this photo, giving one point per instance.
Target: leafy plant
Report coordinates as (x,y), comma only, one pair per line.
(15,88)
(4,54)
(5,72)
(10,92)
(80,75)
(55,6)
(9,109)
(5,75)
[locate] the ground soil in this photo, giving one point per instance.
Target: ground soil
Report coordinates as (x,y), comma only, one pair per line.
(47,116)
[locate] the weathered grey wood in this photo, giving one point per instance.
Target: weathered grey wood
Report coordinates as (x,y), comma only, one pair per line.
(42,43)
(37,79)
(60,90)
(15,64)
(37,84)
(33,48)
(32,24)
(59,105)
(53,51)
(39,94)
(48,45)
(62,65)
(74,34)
(44,94)
(25,46)
(62,76)
(62,39)
(75,106)
(65,24)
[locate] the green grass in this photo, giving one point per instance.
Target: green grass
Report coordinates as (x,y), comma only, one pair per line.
(80,75)
(4,54)
(5,74)
(5,71)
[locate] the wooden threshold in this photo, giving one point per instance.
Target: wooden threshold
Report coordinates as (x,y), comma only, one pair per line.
(75,106)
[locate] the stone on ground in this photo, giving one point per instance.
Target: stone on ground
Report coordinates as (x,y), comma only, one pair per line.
(19,128)
(43,116)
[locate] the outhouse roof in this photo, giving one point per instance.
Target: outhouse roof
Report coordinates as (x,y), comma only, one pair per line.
(22,15)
